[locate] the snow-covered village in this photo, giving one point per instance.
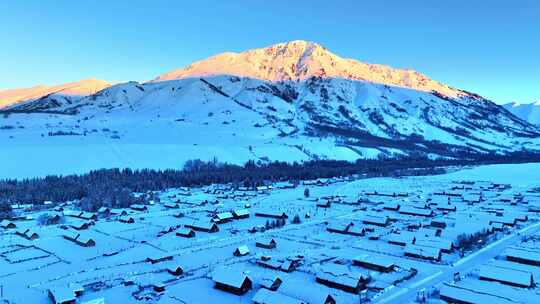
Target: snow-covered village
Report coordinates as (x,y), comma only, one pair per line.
(270,152)
(468,236)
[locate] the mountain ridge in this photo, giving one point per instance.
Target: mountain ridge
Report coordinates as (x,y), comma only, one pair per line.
(298,60)
(529,112)
(79,88)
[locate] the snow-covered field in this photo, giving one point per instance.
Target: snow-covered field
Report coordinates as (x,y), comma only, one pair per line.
(360,244)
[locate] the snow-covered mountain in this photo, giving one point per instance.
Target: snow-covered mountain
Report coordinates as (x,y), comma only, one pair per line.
(529,112)
(290,101)
(300,60)
(51,95)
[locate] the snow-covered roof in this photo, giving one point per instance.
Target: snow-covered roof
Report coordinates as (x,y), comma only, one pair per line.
(528,255)
(435,242)
(341,274)
(265,296)
(512,276)
(62,294)
(422,251)
(224,216)
(375,259)
(184,231)
(415,211)
(466,295)
(404,237)
(230,277)
(242,250)
(241,212)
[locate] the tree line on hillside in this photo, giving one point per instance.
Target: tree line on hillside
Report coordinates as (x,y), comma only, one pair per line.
(114,187)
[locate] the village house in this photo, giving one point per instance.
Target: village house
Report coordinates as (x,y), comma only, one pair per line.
(85,241)
(27,234)
(270,282)
(208,227)
(223,217)
(289,265)
(504,219)
(374,262)
(439,200)
(392,206)
(463,295)
(523,256)
(285,185)
(444,245)
(126,219)
(104,210)
(266,243)
(167,229)
(472,198)
(171,205)
(265,296)
(506,276)
(158,287)
(62,295)
(426,231)
(446,207)
(80,225)
(311,295)
(421,252)
(495,226)
(185,232)
(88,216)
(119,212)
(339,227)
(358,230)
(382,221)
(232,281)
(269,263)
(402,239)
(340,277)
(139,207)
(438,223)
(77,238)
(272,214)
(241,251)
(415,211)
(241,213)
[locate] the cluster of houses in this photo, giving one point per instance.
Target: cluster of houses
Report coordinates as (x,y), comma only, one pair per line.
(269,292)
(416,227)
(510,276)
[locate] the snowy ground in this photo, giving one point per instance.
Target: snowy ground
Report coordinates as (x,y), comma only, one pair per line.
(29,268)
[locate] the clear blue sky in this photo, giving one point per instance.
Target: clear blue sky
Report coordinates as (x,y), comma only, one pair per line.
(489,47)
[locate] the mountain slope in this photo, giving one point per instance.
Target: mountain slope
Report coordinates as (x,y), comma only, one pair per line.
(529,112)
(52,94)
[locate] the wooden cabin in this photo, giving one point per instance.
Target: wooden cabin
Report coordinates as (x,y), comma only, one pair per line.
(203,226)
(185,232)
(266,243)
(232,281)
